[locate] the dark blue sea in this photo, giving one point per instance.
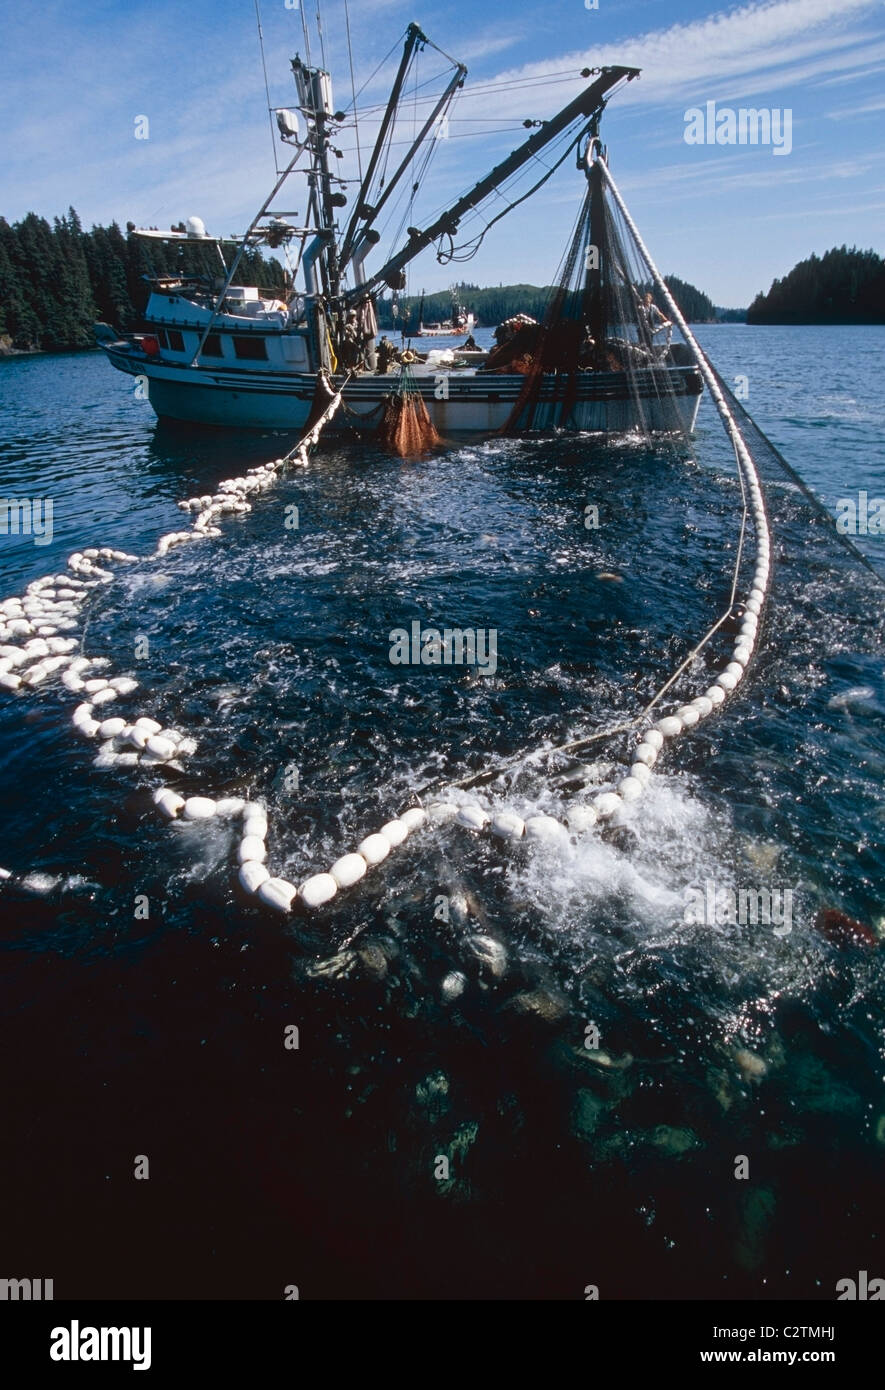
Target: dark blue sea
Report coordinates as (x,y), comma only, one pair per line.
(162,1035)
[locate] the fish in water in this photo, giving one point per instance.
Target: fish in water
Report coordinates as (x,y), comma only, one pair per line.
(843,930)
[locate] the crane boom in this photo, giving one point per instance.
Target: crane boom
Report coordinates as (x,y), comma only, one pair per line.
(590,103)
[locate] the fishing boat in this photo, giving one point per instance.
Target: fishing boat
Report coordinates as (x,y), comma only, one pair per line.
(219,353)
(460,325)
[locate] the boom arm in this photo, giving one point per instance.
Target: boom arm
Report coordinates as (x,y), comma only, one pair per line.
(590,103)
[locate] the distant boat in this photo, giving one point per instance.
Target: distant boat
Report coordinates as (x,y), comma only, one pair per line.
(217,353)
(460,325)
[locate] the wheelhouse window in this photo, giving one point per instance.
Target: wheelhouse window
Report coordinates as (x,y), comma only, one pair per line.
(212,346)
(176,341)
(161,337)
(252,349)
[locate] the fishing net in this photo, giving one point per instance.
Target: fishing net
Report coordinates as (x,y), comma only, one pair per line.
(604,357)
(406,428)
(775,470)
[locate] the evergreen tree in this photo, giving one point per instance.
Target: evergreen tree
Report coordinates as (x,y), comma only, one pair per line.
(842,286)
(55,281)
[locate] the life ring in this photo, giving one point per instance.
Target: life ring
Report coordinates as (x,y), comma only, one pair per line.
(407,357)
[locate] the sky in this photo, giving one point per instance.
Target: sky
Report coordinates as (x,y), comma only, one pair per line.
(75,78)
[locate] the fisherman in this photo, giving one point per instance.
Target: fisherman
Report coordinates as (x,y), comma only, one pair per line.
(654,322)
(587,354)
(386,355)
(349,349)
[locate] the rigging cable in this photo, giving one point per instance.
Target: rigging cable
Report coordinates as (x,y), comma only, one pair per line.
(305,31)
(445,258)
(322,37)
(273,138)
(359,157)
(482,88)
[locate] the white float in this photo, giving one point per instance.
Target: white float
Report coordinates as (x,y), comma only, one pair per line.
(348,870)
(630,788)
(278,893)
(669,726)
(150,726)
(703,705)
(689,715)
(545,829)
(169,802)
(109,728)
(606,804)
(472,816)
(252,848)
(395,832)
(162,749)
(374,848)
(507,826)
(319,889)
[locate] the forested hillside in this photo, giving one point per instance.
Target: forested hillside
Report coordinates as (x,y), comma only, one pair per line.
(56,279)
(841,286)
(492,306)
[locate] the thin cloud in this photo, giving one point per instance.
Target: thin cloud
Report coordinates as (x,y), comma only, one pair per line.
(866,108)
(722,48)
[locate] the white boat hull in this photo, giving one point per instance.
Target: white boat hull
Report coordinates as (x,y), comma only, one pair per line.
(475,403)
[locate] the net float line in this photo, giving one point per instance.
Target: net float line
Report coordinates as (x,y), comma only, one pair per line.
(36,630)
(145,742)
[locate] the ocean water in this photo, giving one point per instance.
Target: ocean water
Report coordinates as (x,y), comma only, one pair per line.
(163,1035)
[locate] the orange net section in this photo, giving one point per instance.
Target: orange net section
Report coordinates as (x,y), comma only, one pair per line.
(406,428)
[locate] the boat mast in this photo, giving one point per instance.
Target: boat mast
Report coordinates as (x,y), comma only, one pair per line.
(414,37)
(594,284)
(315,98)
(590,103)
(371,213)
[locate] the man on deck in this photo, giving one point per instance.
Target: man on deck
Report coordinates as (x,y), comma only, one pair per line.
(654,322)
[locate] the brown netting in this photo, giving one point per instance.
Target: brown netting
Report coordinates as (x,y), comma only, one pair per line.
(406,428)
(598,333)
